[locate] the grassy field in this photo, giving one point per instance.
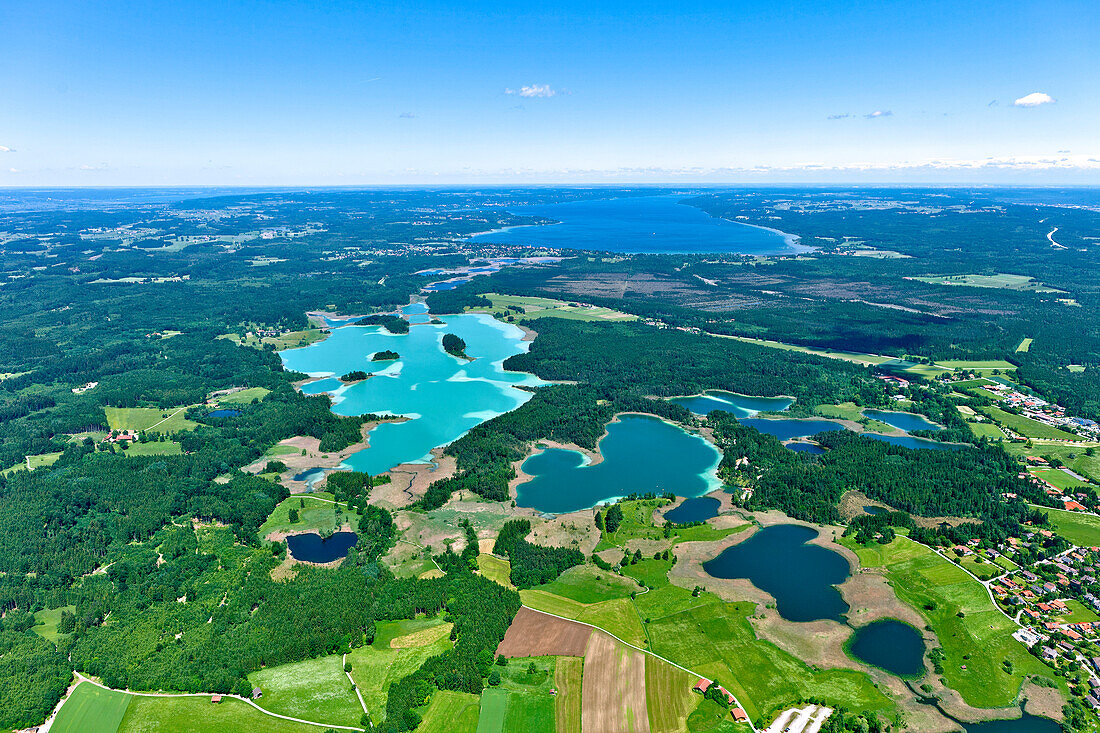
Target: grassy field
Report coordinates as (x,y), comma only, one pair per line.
(985,429)
(155,448)
(588,584)
(1072,456)
(199,715)
(91,709)
(653,573)
(1025,426)
(313,515)
(1058,478)
(45,623)
(376,667)
(852,411)
(315,689)
(494,708)
(616,616)
(244,397)
(1025,346)
(1079,613)
(530,706)
(149,418)
(1079,528)
(450,712)
(42,459)
(567,708)
(984,570)
(1000,281)
(976,637)
(638,524)
(669,699)
(495,569)
(710,717)
(291,340)
(979,365)
(549,308)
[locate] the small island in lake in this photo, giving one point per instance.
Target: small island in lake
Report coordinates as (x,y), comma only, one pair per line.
(393,324)
(357,375)
(385,356)
(454,345)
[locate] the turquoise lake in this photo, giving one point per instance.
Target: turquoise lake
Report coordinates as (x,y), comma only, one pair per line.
(640,454)
(653,224)
(800,576)
(443,396)
(737,405)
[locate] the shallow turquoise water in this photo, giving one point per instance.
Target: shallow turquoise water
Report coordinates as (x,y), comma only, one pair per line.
(737,405)
(443,395)
(640,454)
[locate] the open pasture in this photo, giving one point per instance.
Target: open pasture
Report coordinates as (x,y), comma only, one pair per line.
(91,709)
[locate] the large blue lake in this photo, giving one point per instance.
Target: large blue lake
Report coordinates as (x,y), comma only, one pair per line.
(801,577)
(653,224)
(640,454)
(443,396)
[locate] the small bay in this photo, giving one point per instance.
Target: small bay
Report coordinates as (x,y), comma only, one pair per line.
(738,405)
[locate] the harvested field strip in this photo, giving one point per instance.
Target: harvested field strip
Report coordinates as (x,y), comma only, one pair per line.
(534,634)
(613,687)
(669,698)
(568,680)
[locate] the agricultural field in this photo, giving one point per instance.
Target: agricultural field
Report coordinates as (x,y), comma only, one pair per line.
(150,419)
(244,397)
(976,637)
(314,515)
(982,366)
(291,340)
(1025,346)
(549,308)
(1079,528)
(1001,281)
(616,616)
(669,697)
(588,584)
(450,712)
(198,715)
(495,569)
(534,634)
(154,448)
(315,689)
(523,702)
(613,687)
(1027,427)
(985,430)
(91,709)
(568,675)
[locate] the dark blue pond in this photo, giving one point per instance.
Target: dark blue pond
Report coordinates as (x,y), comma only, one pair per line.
(311,548)
(1026,724)
(655,224)
(908,441)
(906,421)
(875,510)
(786,429)
(811,448)
(891,645)
(699,509)
(223,413)
(801,577)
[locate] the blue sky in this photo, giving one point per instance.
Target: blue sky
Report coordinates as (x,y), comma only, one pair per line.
(298,93)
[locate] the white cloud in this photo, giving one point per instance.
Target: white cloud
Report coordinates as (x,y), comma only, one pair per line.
(879,113)
(5,149)
(533,90)
(1033,100)
(13,170)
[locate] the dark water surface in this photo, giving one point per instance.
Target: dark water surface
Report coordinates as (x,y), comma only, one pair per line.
(699,509)
(310,547)
(787,428)
(654,224)
(891,645)
(1026,724)
(800,576)
(906,421)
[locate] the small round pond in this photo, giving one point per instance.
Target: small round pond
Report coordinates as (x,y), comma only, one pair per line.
(309,547)
(891,645)
(812,448)
(801,577)
(699,509)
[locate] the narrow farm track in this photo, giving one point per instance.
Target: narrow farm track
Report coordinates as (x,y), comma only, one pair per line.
(89,680)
